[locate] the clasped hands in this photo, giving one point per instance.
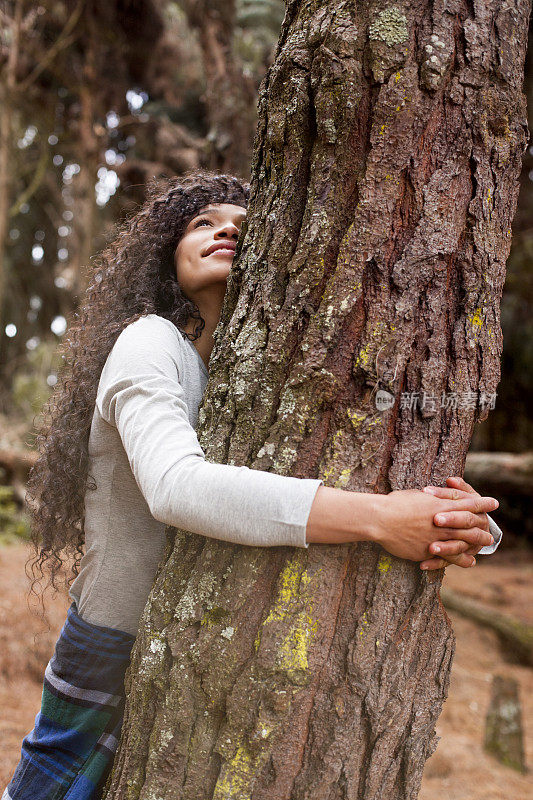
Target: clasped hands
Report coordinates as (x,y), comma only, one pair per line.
(457,551)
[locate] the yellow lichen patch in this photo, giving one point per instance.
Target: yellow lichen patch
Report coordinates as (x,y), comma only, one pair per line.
(356,419)
(384,564)
(343,479)
(329,472)
(476,320)
(295,647)
(382,129)
(236,777)
(397,76)
(363,358)
(489,201)
(337,435)
(364,623)
(293,607)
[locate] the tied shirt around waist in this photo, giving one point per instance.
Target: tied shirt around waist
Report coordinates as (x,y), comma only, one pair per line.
(150,471)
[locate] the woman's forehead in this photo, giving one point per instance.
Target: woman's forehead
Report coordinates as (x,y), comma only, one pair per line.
(218,209)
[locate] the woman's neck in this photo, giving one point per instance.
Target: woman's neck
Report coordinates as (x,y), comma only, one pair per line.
(210,309)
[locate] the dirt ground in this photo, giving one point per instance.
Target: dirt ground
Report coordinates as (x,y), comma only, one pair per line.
(459,769)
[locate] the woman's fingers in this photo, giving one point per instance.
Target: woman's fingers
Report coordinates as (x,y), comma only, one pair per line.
(460,483)
(476,503)
(446,492)
(434,563)
(473,502)
(460,552)
(464,560)
(461,519)
(473,536)
(453,547)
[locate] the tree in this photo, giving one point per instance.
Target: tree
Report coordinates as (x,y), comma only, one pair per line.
(370,269)
(230,94)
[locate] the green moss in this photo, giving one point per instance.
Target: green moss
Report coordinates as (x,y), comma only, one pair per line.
(214,616)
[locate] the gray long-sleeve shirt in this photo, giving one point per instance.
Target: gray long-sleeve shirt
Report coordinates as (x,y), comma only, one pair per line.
(150,471)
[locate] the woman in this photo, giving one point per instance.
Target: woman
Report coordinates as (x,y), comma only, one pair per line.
(120,460)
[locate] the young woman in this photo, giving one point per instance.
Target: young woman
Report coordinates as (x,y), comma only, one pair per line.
(120,459)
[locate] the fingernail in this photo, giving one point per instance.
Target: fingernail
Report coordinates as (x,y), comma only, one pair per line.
(436,549)
(492,539)
(473,562)
(429,489)
(423,566)
(440,518)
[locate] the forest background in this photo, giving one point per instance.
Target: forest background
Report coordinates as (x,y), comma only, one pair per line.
(96,98)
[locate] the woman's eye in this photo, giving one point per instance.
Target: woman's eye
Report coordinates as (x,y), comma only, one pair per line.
(200,221)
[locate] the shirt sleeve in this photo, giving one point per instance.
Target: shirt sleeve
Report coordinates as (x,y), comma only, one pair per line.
(497,533)
(141,395)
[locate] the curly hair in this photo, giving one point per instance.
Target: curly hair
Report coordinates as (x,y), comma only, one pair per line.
(134,276)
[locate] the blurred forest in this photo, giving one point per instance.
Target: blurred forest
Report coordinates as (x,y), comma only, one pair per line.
(96,98)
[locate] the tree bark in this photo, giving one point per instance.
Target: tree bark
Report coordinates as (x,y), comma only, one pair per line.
(83,190)
(384,183)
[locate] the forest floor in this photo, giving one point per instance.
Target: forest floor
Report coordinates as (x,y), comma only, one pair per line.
(458,770)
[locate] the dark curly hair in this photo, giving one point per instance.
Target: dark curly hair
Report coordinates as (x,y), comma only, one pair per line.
(134,276)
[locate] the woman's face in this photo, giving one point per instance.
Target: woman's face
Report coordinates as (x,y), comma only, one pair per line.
(205,252)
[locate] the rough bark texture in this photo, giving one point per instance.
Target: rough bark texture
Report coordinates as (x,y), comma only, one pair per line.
(384,184)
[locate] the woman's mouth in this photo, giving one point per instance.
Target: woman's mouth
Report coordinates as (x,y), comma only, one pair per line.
(223,250)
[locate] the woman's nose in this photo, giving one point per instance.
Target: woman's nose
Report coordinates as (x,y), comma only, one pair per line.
(227,231)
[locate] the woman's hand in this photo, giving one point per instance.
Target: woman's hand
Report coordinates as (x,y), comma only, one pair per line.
(405,524)
(455,552)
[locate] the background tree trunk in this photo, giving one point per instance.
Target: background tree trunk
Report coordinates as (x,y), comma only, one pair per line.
(7,91)
(384,185)
(230,94)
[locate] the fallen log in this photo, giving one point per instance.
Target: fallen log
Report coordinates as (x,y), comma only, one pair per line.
(515,635)
(508,473)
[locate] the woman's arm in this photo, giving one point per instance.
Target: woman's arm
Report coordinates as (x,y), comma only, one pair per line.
(401,522)
(140,394)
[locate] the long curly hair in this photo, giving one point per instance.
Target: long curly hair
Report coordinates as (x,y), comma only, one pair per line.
(134,276)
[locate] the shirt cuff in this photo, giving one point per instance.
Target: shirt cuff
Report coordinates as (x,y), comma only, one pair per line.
(309,487)
(497,533)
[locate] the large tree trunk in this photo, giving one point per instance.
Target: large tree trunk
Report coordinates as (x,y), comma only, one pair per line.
(384,185)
